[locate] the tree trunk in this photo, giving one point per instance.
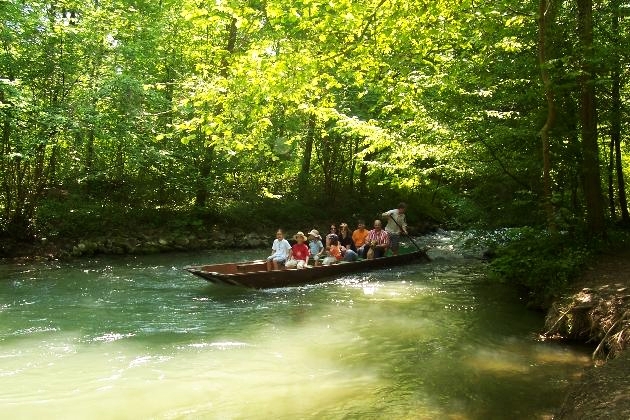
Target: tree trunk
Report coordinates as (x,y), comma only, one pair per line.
(329,160)
(588,117)
(89,153)
(616,112)
(611,181)
(363,175)
(354,148)
(119,165)
(207,158)
(51,177)
(546,17)
(204,167)
(5,161)
(231,43)
(304,177)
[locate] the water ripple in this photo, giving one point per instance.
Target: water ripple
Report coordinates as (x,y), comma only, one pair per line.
(113,337)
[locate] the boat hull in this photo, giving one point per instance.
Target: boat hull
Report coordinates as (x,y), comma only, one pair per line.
(254,274)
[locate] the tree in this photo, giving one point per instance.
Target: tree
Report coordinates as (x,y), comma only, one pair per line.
(212,107)
(616,111)
(588,119)
(546,17)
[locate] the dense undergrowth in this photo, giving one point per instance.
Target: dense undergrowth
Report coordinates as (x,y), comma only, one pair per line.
(75,215)
(64,219)
(545,264)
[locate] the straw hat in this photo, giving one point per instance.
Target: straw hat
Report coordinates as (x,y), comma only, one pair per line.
(300,233)
(314,233)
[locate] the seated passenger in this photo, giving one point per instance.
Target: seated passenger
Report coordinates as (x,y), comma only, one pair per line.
(333,253)
(298,257)
(377,241)
(347,245)
(331,233)
(280,250)
(315,246)
(359,237)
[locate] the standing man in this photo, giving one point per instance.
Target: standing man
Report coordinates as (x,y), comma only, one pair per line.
(396,223)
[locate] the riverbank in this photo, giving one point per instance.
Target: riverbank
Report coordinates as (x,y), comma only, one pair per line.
(149,242)
(152,241)
(598,311)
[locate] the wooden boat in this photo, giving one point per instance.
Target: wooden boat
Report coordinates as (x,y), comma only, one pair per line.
(254,274)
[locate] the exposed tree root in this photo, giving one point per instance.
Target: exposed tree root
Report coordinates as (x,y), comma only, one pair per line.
(600,314)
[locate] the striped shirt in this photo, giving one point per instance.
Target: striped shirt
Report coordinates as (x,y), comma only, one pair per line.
(380,236)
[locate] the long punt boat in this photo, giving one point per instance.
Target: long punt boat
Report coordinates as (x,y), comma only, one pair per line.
(254,274)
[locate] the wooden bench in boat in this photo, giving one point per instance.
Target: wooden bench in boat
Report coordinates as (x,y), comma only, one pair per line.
(250,267)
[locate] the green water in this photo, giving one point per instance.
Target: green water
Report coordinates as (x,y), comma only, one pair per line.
(133,338)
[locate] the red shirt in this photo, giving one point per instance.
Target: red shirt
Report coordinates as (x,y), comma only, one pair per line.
(300,251)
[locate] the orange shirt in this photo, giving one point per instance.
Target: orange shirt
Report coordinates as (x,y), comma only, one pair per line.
(359,236)
(335,251)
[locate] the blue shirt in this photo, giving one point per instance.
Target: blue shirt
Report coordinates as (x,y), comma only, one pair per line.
(315,246)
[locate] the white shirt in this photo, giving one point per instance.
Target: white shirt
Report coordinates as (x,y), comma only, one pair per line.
(391,226)
(281,248)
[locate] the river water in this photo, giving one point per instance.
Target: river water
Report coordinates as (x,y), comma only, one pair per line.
(138,337)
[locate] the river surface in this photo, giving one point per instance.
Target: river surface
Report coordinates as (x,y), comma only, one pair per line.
(138,337)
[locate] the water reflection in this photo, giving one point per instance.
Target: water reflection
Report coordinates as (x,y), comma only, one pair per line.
(135,338)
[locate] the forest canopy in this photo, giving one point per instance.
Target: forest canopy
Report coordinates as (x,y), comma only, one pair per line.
(477,113)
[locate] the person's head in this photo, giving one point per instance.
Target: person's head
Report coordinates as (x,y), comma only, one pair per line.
(333,228)
(313,235)
(402,207)
(377,224)
(299,237)
(360,224)
(280,234)
(333,240)
(344,228)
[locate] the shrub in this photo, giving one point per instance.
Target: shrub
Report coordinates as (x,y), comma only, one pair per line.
(542,263)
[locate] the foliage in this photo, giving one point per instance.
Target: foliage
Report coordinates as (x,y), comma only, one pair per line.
(269,113)
(104,218)
(543,264)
